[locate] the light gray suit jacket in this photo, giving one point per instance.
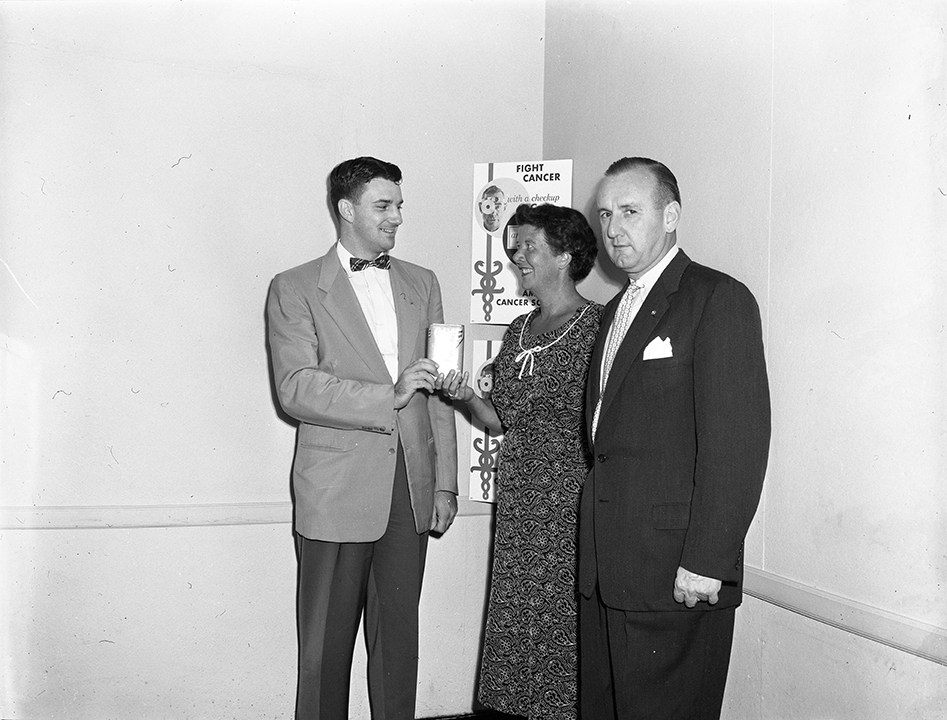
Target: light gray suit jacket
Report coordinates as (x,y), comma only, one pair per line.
(330,376)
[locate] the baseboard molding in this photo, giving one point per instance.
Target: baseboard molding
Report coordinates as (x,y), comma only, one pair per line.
(896,631)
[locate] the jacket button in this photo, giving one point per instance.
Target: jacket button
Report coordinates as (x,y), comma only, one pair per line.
(601,457)
(391,451)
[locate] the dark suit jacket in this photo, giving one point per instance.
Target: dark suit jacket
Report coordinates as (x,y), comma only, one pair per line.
(331,377)
(681,446)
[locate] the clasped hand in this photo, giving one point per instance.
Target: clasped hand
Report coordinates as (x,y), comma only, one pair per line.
(690,588)
(445,509)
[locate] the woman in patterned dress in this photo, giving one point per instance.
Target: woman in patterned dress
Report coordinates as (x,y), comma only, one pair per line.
(529,664)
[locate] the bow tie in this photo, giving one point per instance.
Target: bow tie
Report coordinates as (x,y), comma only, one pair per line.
(382,262)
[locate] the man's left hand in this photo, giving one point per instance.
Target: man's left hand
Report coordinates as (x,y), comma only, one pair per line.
(690,588)
(445,508)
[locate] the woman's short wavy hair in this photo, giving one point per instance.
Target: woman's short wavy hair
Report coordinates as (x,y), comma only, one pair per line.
(565,230)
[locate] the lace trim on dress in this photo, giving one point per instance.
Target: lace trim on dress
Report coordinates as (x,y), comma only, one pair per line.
(526,354)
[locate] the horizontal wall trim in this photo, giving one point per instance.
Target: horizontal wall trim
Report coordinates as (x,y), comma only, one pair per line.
(896,631)
(76,517)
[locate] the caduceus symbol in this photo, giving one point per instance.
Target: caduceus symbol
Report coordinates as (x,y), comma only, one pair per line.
(488,280)
(487,446)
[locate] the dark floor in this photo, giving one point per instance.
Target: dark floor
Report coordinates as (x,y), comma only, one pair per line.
(482,715)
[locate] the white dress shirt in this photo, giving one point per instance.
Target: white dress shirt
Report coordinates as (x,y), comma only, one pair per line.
(373,288)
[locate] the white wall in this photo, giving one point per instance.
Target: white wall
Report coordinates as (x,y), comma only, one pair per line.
(808,139)
(161,162)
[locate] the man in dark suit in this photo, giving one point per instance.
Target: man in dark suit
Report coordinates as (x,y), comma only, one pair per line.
(679,421)
(376,455)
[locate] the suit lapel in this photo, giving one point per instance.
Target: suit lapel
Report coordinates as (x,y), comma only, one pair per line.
(598,351)
(342,305)
(408,312)
(642,327)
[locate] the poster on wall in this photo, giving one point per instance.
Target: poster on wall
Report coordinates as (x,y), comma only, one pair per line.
(499,188)
(484,445)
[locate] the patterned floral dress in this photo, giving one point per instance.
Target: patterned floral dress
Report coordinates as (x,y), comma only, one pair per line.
(529,665)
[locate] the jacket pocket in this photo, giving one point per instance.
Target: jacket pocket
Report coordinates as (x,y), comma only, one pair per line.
(314,437)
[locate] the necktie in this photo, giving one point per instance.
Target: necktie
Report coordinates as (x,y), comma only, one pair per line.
(382,262)
(620,326)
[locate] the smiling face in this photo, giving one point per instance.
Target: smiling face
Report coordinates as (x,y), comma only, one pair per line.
(369,226)
(637,227)
(538,263)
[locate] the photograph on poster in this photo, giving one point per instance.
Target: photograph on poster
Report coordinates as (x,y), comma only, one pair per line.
(499,188)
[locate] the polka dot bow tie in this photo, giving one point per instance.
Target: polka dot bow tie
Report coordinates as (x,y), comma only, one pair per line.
(382,262)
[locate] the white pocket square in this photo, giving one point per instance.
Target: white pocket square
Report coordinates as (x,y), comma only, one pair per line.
(658,349)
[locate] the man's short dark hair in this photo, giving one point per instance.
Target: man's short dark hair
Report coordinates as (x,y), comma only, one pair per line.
(565,230)
(666,182)
(349,178)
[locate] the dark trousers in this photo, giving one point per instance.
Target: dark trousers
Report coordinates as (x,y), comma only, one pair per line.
(336,582)
(652,665)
